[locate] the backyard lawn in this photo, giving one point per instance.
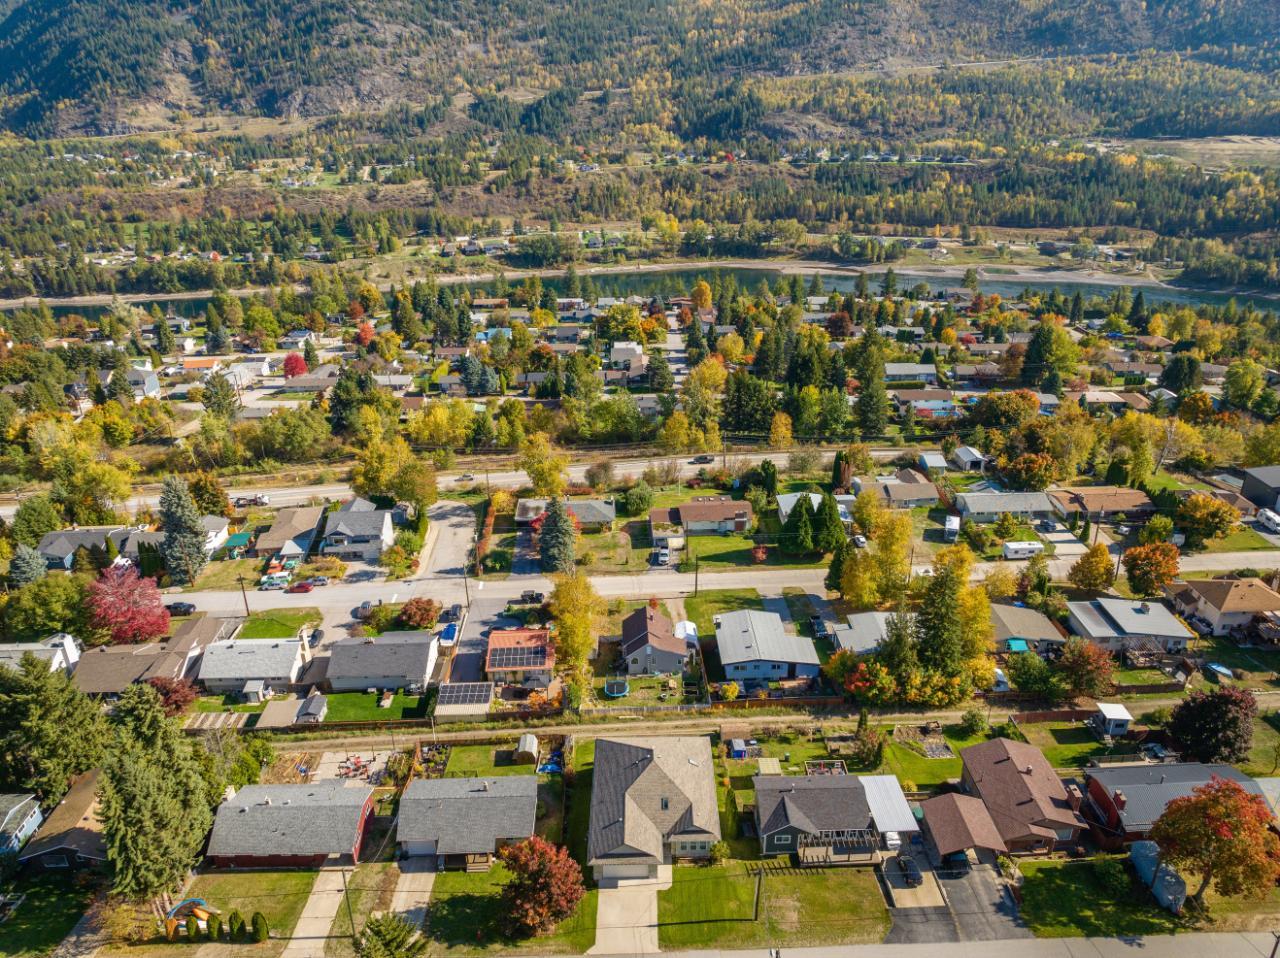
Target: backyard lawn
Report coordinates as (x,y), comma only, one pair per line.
(369,889)
(53,905)
(227,703)
(715,906)
(465,918)
(363,707)
(1063,899)
(279,623)
(485,760)
(913,767)
(1264,753)
(579,818)
(1259,666)
(1071,744)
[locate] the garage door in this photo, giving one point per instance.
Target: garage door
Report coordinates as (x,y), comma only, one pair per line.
(625,871)
(419,849)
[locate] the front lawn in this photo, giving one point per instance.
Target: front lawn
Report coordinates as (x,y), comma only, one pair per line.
(1264,752)
(1243,539)
(279,623)
(715,906)
(370,888)
(53,905)
(223,575)
(1063,899)
(1023,533)
(465,918)
(279,895)
(363,707)
(482,761)
(615,553)
(1071,744)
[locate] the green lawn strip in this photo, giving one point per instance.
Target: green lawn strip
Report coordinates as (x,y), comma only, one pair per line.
(1063,899)
(370,888)
(1071,744)
(53,905)
(1264,752)
(1023,533)
(363,707)
(550,823)
(579,798)
(223,575)
(279,895)
(715,905)
(279,623)
(1243,539)
(484,761)
(227,703)
(465,918)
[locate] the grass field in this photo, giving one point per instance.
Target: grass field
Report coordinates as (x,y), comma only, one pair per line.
(1258,667)
(1243,539)
(925,773)
(485,761)
(53,905)
(279,895)
(369,889)
(363,707)
(279,623)
(1264,753)
(465,918)
(1070,744)
(1063,899)
(224,575)
(226,703)
(715,906)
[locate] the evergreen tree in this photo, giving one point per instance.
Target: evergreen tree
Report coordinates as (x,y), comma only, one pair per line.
(390,936)
(837,470)
(310,354)
(50,731)
(797,531)
(184,536)
(166,342)
(829,531)
(769,477)
(661,379)
(1077,309)
(939,630)
(118,387)
(216,340)
(35,516)
(898,652)
(873,399)
(26,566)
(836,569)
(556,537)
(220,396)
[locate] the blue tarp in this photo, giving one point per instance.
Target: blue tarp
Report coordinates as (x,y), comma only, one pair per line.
(1018,645)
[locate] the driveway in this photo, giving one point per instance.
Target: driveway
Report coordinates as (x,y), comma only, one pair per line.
(1065,544)
(981,905)
(450,537)
(526,560)
(468,656)
(921,926)
(413,889)
(312,930)
(627,916)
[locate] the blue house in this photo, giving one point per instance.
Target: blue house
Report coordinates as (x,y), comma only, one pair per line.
(20,816)
(755,648)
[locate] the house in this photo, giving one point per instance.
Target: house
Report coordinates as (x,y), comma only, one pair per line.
(901,495)
(1022,629)
(1119,624)
(712,515)
(462,822)
(1111,720)
(203,366)
(20,817)
(235,665)
(106,671)
(925,403)
(292,533)
(630,357)
(358,530)
(144,383)
(1097,400)
(525,657)
(983,507)
(298,339)
(957,823)
(650,645)
(1028,803)
(1125,801)
(932,460)
(593,515)
(392,660)
(787,501)
(863,633)
(1262,487)
(976,373)
(910,373)
(820,817)
(71,836)
(59,547)
(60,650)
(754,647)
(653,800)
(291,826)
(1101,502)
(1226,604)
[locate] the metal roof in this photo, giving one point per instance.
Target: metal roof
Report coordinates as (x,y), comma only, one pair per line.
(889,806)
(749,635)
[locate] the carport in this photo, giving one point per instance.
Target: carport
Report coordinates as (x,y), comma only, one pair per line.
(956,823)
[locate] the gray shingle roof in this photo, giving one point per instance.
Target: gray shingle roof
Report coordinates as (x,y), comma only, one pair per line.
(1014,502)
(358,524)
(749,635)
(1149,788)
(631,780)
(865,631)
(249,659)
(468,815)
(320,818)
(398,655)
(813,804)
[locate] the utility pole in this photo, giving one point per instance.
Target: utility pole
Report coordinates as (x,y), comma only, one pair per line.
(346,896)
(244,595)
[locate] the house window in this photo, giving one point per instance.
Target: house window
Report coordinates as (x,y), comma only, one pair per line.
(782,839)
(56,861)
(635,660)
(666,804)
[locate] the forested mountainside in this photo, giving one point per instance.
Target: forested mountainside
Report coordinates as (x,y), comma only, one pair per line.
(101,65)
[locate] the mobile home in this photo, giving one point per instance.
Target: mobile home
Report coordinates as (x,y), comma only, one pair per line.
(1022,550)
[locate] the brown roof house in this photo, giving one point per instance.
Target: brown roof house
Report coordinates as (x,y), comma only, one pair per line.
(71,837)
(292,534)
(1226,604)
(702,515)
(525,657)
(957,823)
(108,670)
(1031,808)
(1101,501)
(653,799)
(650,645)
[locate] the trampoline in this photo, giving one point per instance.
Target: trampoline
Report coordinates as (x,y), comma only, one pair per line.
(616,688)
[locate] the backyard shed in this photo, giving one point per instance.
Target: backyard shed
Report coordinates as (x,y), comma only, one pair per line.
(526,752)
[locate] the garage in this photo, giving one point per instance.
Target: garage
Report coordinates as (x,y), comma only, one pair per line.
(626,871)
(418,849)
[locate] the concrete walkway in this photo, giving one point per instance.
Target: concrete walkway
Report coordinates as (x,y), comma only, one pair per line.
(627,916)
(413,889)
(317,916)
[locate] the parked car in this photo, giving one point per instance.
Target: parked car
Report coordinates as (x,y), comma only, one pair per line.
(664,557)
(1047,525)
(466,477)
(860,542)
(363,609)
(259,500)
(316,638)
(180,608)
(818,626)
(319,580)
(533,598)
(271,585)
(300,587)
(909,870)
(451,614)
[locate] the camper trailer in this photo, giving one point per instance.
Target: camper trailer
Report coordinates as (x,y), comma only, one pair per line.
(1269,519)
(1022,550)
(952,531)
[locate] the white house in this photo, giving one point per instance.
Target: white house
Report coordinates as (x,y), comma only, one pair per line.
(1118,624)
(60,650)
(1226,604)
(787,501)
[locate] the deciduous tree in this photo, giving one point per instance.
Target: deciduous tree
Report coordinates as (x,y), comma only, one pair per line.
(1094,570)
(544,466)
(1086,668)
(126,606)
(1151,567)
(576,608)
(545,888)
(294,365)
(1202,517)
(1215,726)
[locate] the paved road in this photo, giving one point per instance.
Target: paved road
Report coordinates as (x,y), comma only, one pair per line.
(1212,945)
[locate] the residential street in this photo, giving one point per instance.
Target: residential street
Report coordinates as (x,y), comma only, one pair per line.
(1212,945)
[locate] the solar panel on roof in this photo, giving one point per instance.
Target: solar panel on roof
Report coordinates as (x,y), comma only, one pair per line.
(465,693)
(518,657)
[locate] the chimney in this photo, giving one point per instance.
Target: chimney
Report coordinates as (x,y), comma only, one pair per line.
(1074,798)
(1027,770)
(1119,800)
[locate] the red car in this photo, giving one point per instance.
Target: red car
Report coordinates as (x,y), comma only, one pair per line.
(300,587)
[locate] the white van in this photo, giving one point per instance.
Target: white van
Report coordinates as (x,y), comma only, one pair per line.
(1269,519)
(952,531)
(1022,550)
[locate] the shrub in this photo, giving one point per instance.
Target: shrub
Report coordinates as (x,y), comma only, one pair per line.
(235,925)
(381,618)
(419,613)
(193,927)
(973,722)
(719,852)
(1111,875)
(261,930)
(214,924)
(499,560)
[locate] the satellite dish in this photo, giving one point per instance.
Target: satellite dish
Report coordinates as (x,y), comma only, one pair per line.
(687,630)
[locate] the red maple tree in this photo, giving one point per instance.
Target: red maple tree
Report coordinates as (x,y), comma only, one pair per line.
(294,365)
(175,694)
(545,887)
(419,613)
(127,605)
(364,334)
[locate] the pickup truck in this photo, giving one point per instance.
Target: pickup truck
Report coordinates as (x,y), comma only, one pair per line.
(532,598)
